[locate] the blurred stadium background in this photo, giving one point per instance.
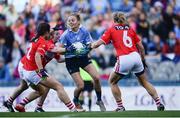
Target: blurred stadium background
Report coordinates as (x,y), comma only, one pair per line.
(156,21)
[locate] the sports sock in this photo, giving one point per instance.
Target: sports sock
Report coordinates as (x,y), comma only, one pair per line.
(89,104)
(10,100)
(98,94)
(39,105)
(119,103)
(70,105)
(24,101)
(76,100)
(157,100)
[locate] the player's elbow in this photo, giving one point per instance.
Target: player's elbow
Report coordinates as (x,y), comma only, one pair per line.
(140,47)
(37,55)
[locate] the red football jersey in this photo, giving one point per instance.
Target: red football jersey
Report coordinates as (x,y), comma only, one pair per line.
(29,59)
(124,39)
(48,56)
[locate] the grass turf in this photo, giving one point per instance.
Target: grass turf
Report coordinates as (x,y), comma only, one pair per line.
(94,114)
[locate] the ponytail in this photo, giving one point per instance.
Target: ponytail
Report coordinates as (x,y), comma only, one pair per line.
(35,38)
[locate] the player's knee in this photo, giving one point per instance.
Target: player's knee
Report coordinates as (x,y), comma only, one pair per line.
(112,82)
(42,91)
(96,78)
(96,81)
(24,86)
(80,86)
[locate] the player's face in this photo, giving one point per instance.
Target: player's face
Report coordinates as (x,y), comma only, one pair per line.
(56,36)
(47,36)
(73,22)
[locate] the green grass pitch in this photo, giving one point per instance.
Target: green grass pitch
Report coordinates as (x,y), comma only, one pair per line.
(126,114)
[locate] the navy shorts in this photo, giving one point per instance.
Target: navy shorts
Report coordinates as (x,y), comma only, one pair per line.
(73,64)
(88,86)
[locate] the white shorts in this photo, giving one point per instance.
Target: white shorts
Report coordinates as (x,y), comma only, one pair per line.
(129,63)
(31,77)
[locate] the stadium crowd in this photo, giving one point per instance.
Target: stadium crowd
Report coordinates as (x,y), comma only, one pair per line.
(156,21)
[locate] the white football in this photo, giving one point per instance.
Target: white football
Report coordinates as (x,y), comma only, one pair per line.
(78,45)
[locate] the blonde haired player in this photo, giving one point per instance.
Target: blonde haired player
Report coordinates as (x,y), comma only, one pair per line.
(130,58)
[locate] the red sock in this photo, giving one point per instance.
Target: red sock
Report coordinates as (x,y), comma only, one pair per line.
(25,101)
(70,105)
(119,104)
(157,100)
(10,100)
(39,105)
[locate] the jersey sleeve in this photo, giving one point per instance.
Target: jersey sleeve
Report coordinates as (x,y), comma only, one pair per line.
(42,49)
(63,39)
(50,47)
(106,37)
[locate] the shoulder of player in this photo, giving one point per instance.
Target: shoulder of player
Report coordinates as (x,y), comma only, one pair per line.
(44,43)
(41,40)
(83,29)
(38,42)
(131,30)
(66,32)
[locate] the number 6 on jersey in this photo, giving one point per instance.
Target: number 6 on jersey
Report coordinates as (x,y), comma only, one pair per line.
(127,40)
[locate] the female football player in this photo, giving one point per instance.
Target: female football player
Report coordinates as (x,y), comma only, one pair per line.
(130,58)
(32,72)
(77,34)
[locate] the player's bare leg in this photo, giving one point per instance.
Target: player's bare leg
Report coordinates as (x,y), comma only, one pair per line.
(22,87)
(39,90)
(50,82)
(41,101)
(79,87)
(113,80)
(97,85)
(151,90)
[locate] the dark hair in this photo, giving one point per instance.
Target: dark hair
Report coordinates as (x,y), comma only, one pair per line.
(77,15)
(41,29)
(120,18)
(59,26)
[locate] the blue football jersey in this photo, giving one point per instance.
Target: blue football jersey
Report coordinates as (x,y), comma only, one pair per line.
(69,37)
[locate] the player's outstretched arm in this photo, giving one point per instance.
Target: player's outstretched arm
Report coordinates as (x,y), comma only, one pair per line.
(141,50)
(97,43)
(57,49)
